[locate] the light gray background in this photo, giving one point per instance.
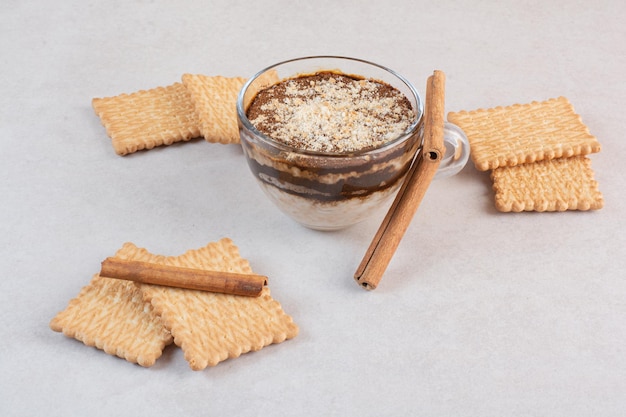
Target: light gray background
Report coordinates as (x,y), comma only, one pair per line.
(480,313)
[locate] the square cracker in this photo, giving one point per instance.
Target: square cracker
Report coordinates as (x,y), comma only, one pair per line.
(551,185)
(524,133)
(148,118)
(215,102)
(111,315)
(212,327)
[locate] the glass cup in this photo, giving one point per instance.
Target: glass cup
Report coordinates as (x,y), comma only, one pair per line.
(330,191)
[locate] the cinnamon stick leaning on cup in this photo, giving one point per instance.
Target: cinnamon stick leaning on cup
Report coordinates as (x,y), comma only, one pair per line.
(396,222)
(249,285)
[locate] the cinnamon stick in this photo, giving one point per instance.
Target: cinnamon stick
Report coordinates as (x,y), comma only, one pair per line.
(249,285)
(396,222)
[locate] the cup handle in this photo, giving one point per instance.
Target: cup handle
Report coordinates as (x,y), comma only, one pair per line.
(457,151)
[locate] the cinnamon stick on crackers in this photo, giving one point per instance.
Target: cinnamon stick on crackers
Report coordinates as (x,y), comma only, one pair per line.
(135,321)
(409,197)
(193,279)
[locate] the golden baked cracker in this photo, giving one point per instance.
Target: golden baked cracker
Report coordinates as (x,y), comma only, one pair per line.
(111,315)
(215,102)
(212,327)
(148,118)
(551,185)
(524,133)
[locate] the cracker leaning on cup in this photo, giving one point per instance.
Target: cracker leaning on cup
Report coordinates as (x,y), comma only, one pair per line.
(214,100)
(136,321)
(536,152)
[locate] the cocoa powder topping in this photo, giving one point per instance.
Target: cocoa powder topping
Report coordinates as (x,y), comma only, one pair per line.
(330,112)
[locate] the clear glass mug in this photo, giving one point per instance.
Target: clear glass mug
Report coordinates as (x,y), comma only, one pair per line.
(330,191)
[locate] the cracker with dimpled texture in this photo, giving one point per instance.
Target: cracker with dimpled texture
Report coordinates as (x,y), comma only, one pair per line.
(524,133)
(212,327)
(554,185)
(215,102)
(148,118)
(111,315)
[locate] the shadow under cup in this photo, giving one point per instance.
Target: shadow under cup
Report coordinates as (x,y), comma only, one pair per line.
(328,191)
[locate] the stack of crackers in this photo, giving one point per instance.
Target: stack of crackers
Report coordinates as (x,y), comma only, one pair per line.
(136,321)
(199,106)
(537,154)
